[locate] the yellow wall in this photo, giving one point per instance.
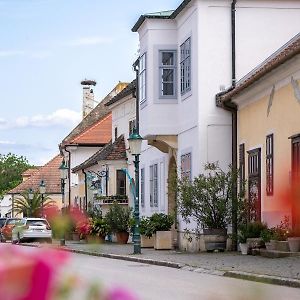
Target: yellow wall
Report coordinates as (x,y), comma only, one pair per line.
(253,127)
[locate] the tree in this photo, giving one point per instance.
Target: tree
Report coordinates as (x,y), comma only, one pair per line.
(32,207)
(11,169)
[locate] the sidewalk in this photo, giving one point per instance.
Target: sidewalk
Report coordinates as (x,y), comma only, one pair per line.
(282,271)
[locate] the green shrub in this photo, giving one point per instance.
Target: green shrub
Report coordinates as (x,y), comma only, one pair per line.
(145,227)
(160,222)
(251,230)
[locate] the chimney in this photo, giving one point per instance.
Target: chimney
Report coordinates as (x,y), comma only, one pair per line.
(88,97)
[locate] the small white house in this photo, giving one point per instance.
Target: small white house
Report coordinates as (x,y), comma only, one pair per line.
(186,57)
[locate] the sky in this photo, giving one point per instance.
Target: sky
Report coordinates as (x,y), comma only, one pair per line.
(46,48)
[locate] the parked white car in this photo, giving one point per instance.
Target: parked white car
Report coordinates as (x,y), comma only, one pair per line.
(31,229)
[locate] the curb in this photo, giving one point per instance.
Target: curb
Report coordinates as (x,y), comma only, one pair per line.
(283,281)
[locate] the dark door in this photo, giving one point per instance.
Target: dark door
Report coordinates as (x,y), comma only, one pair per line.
(254,187)
(296,183)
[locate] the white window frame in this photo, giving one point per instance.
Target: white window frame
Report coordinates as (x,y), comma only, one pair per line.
(185,66)
(142,187)
(153,178)
(187,172)
(163,67)
(142,78)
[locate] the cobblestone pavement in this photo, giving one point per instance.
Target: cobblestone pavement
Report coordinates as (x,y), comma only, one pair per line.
(288,267)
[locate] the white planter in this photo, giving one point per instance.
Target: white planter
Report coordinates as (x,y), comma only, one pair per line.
(163,240)
(294,244)
(244,248)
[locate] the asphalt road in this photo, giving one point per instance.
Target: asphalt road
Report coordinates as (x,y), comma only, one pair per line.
(155,282)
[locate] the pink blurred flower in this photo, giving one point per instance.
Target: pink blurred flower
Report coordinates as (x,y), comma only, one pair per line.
(120,294)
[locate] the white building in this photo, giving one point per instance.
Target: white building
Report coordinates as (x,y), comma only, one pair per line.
(187,56)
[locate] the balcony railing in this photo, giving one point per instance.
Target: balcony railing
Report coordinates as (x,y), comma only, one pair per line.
(120,199)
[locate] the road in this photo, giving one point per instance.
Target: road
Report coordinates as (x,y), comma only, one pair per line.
(155,282)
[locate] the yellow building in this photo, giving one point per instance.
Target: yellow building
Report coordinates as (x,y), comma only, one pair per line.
(266,107)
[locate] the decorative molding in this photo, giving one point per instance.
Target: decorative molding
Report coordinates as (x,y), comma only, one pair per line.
(296,88)
(271,100)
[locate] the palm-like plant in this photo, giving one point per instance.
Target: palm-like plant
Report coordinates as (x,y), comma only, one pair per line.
(32,207)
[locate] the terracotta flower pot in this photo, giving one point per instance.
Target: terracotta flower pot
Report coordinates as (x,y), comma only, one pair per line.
(122,237)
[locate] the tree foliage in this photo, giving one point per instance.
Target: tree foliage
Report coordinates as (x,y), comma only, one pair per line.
(32,207)
(11,169)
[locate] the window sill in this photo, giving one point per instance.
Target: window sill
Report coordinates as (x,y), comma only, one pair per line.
(186,95)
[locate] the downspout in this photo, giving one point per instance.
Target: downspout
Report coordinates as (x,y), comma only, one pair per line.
(137,112)
(69,175)
(233,58)
(85,189)
(233,109)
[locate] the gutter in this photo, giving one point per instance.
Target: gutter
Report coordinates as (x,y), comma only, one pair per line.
(85,189)
(233,58)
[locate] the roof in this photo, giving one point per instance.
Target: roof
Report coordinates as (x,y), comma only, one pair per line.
(112,151)
(170,14)
(99,133)
(49,173)
(30,171)
(129,90)
(94,116)
(282,55)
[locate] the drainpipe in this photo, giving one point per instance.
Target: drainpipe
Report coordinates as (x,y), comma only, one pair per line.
(69,175)
(137,113)
(233,58)
(85,189)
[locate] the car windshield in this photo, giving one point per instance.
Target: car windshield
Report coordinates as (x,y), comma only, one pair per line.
(36,223)
(2,222)
(12,221)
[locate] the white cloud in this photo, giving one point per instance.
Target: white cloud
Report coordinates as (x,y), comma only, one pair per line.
(7,53)
(7,143)
(90,41)
(61,117)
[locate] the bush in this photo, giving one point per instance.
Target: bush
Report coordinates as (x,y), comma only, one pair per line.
(145,227)
(208,198)
(99,227)
(119,218)
(160,222)
(251,230)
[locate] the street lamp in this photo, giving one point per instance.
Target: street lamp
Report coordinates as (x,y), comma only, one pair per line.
(63,168)
(42,188)
(135,145)
(30,194)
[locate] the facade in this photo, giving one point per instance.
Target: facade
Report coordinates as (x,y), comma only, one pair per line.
(32,178)
(268,109)
(89,136)
(186,57)
(108,174)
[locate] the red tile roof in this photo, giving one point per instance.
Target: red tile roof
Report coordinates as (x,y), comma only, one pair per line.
(112,151)
(49,173)
(99,133)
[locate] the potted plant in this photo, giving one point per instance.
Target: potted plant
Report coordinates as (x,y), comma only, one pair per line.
(119,221)
(146,231)
(242,238)
(294,241)
(280,235)
(160,225)
(207,200)
(266,235)
(99,230)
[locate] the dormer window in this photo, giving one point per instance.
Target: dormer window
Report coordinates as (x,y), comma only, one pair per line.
(167,70)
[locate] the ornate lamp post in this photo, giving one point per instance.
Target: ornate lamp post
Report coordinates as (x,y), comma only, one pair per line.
(63,168)
(42,188)
(135,144)
(30,197)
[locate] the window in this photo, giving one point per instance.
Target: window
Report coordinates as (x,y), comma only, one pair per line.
(242,167)
(153,186)
(116,133)
(269,164)
(185,66)
(131,126)
(121,182)
(143,187)
(142,78)
(167,72)
(186,166)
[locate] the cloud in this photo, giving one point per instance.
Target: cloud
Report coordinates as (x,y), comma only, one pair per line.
(8,53)
(7,143)
(90,41)
(61,117)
